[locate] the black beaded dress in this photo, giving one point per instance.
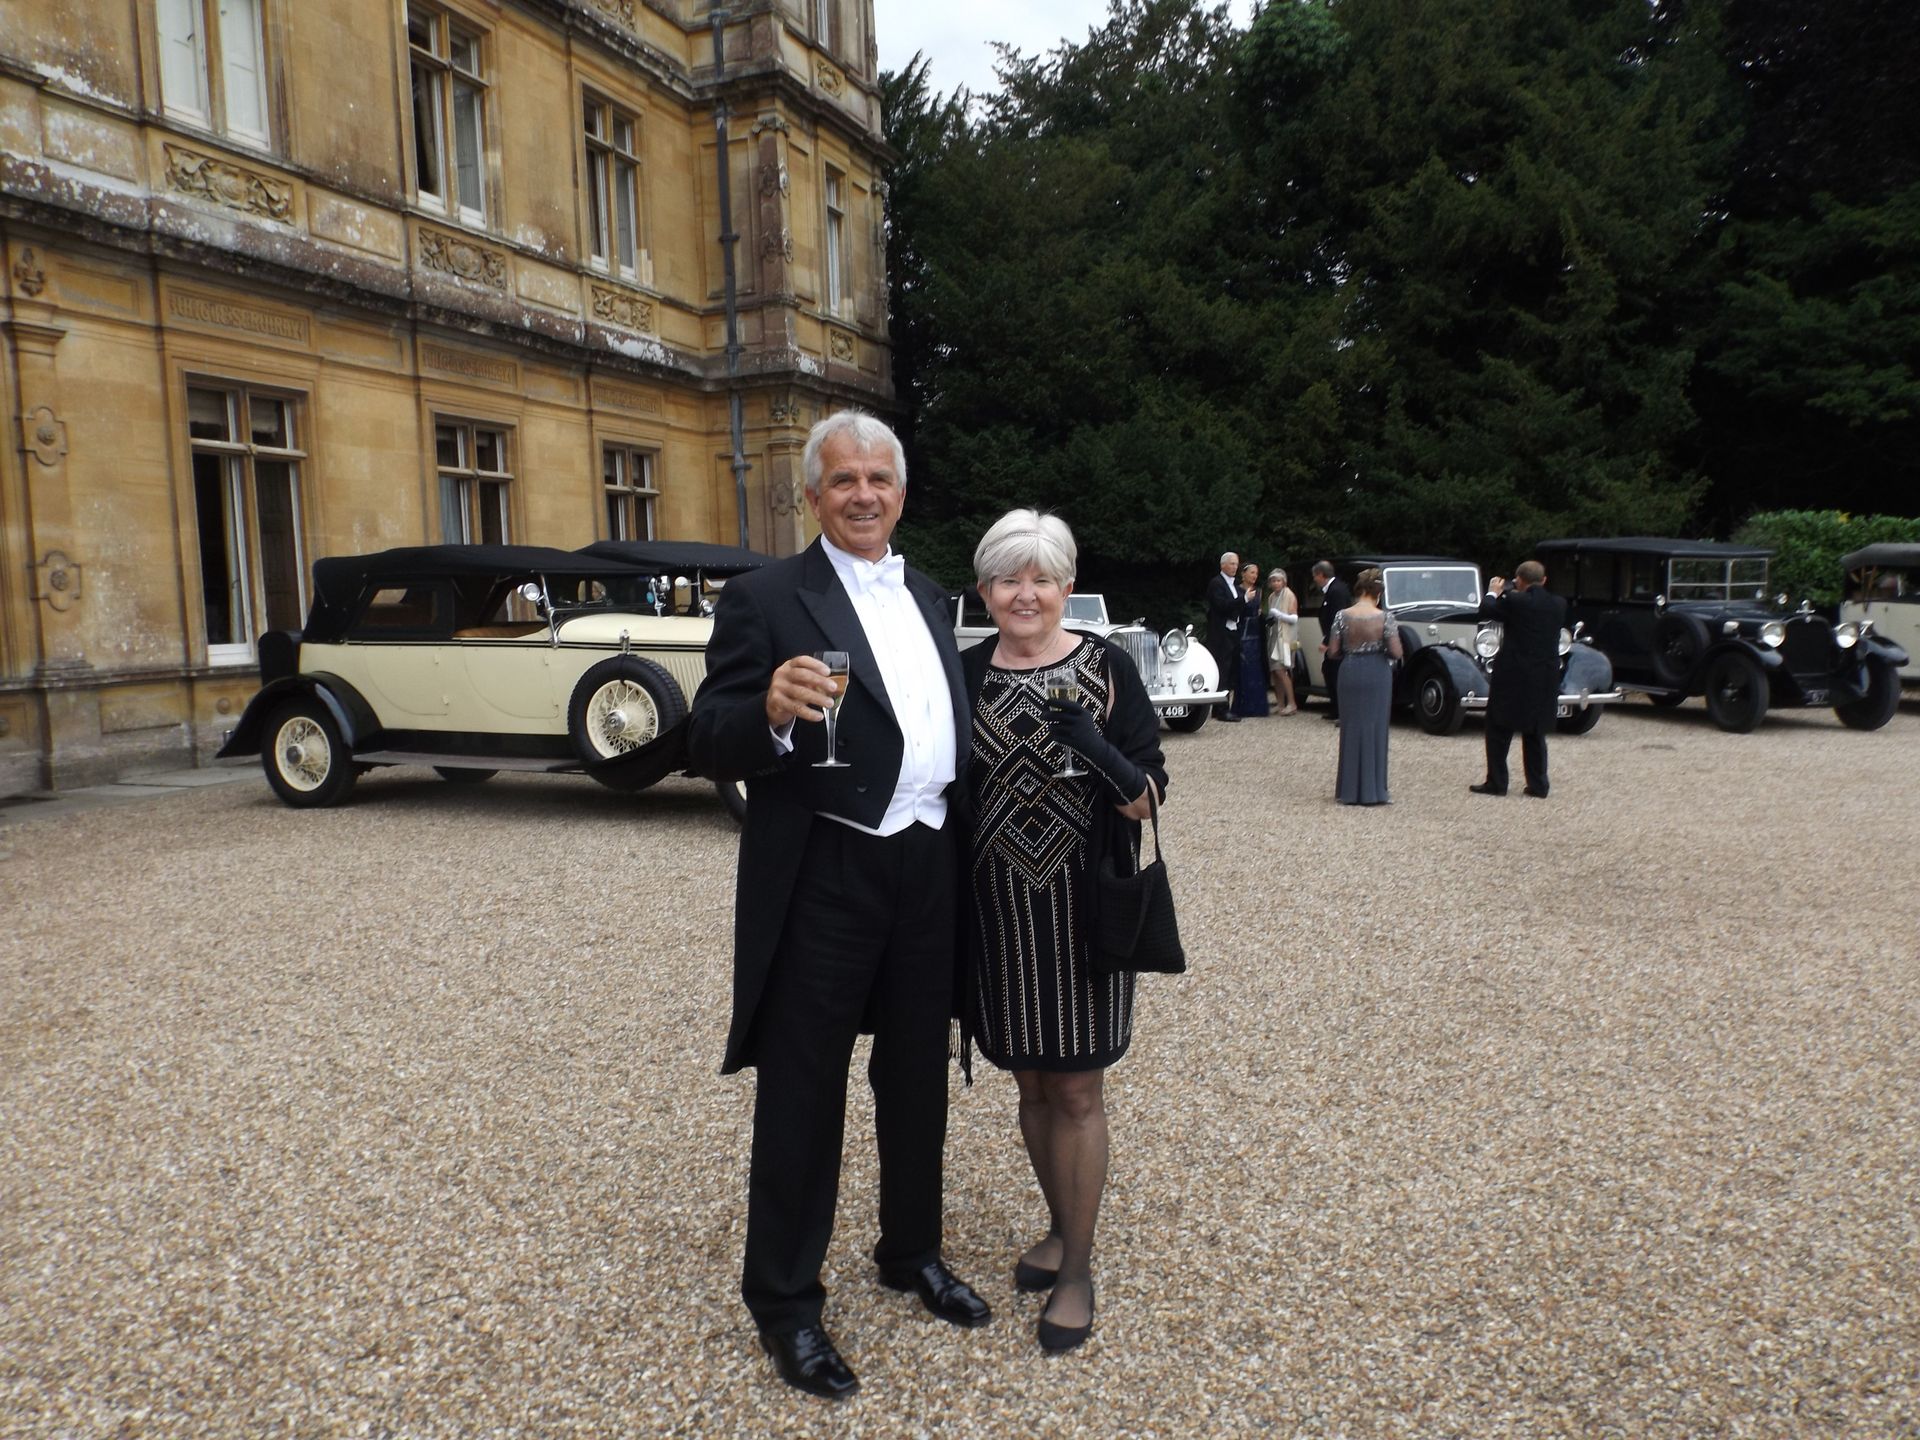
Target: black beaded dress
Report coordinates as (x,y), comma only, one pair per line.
(1034,1001)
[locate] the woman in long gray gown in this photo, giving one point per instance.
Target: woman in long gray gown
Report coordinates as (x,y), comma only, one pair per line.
(1367,642)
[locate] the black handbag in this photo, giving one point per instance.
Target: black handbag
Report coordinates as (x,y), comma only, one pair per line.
(1137,929)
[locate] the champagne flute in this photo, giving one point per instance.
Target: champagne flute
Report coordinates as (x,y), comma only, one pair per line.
(1064,684)
(836,663)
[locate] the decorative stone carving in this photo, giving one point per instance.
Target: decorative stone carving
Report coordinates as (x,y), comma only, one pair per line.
(459,257)
(769,122)
(784,412)
(841,347)
(785,499)
(206,178)
(777,242)
(58,581)
(828,78)
(45,435)
(621,10)
(616,307)
(773,180)
(28,277)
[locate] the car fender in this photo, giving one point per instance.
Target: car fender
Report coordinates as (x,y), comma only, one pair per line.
(1767,658)
(349,709)
(1467,676)
(1587,670)
(1893,654)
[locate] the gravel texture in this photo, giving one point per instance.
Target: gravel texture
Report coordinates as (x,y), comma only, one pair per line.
(1597,1117)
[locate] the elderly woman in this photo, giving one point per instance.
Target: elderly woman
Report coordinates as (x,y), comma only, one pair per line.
(1283,623)
(1034,1001)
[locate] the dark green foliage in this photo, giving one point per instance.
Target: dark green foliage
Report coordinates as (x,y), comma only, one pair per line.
(1809,544)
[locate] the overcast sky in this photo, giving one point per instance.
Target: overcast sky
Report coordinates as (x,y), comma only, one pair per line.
(957,33)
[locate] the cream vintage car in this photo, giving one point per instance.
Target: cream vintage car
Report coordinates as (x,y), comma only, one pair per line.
(480,658)
(1883,585)
(1181,677)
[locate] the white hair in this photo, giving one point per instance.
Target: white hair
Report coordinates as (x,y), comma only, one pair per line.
(867,431)
(1021,538)
(1226,555)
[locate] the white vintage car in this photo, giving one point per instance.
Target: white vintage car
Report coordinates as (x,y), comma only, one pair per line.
(480,658)
(1449,652)
(1181,678)
(1886,580)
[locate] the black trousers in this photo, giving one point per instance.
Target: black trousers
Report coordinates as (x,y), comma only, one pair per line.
(868,943)
(1330,672)
(1533,757)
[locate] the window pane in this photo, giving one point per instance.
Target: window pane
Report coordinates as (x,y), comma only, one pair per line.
(833,261)
(597,168)
(183,57)
(453,511)
(220,572)
(466,128)
(489,451)
(646,510)
(624,185)
(493,514)
(277,511)
(466,53)
(623,135)
(270,426)
(617,518)
(447,449)
(423,32)
(613,466)
(596,120)
(426,132)
(246,88)
(643,471)
(207,415)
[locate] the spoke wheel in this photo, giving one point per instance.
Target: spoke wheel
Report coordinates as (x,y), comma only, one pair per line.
(621,716)
(307,763)
(622,705)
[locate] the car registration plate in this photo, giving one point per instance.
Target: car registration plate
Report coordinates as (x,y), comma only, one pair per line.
(1815,697)
(1561,712)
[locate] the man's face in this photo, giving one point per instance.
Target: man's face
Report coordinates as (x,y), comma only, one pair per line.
(1229,563)
(860,497)
(1323,580)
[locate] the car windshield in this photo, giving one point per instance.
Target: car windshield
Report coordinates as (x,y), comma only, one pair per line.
(1087,607)
(1432,585)
(1701,578)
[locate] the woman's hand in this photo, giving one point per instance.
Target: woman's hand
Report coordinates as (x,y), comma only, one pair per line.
(1138,808)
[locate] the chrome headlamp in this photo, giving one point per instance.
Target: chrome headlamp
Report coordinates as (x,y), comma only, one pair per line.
(1486,641)
(1196,682)
(1773,634)
(1174,644)
(1566,640)
(1846,634)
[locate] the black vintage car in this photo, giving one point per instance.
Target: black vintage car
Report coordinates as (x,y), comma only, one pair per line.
(1695,617)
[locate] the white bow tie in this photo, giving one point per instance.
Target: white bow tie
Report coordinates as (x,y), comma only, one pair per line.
(890,573)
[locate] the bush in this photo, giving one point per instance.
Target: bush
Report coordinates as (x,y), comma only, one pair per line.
(1808,545)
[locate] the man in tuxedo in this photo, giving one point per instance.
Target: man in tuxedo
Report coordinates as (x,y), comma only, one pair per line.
(1525,690)
(1335,596)
(1225,607)
(844,912)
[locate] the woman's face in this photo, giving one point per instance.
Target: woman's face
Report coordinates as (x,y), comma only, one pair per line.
(1276,582)
(1027,606)
(1249,576)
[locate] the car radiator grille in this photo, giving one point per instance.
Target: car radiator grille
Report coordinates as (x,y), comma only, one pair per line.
(1143,649)
(1809,648)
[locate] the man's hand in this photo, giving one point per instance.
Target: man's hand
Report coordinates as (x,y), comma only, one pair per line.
(1497,585)
(798,689)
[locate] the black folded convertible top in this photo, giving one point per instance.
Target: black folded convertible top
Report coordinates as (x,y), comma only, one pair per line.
(340,580)
(661,557)
(1883,555)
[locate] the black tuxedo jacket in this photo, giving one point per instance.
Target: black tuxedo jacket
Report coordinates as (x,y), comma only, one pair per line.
(1526,674)
(764,618)
(1224,602)
(1336,597)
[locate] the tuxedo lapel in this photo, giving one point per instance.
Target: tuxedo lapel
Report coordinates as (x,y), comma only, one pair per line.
(826,600)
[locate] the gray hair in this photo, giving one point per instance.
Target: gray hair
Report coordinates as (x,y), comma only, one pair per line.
(1021,538)
(1226,555)
(867,431)
(1323,567)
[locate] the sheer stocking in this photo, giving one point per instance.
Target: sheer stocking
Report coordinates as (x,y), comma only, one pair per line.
(1063,1118)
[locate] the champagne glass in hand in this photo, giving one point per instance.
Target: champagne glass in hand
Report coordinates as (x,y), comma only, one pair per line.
(1064,684)
(836,663)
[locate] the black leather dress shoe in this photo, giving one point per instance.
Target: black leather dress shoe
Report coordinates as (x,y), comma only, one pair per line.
(1485,789)
(807,1361)
(1227,717)
(1536,794)
(941,1292)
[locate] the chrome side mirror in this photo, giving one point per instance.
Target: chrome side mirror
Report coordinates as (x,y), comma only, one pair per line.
(530,592)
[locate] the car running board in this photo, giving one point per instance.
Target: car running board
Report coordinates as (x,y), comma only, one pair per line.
(463,762)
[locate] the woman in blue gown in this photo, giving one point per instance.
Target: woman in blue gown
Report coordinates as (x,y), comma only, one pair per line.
(1250,687)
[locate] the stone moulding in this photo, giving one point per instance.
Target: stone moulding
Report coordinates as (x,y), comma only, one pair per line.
(630,312)
(206,178)
(621,10)
(828,78)
(28,275)
(459,257)
(840,345)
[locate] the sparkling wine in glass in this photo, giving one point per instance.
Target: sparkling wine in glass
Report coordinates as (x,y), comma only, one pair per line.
(836,663)
(1064,684)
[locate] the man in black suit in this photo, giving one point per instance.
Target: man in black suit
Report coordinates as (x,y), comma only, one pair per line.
(1335,595)
(1525,690)
(1225,606)
(844,913)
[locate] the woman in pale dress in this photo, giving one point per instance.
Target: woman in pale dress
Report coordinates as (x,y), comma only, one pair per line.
(1283,618)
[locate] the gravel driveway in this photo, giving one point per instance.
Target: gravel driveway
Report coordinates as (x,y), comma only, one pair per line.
(1592,1117)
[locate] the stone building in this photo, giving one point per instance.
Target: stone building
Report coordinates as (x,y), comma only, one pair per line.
(290,278)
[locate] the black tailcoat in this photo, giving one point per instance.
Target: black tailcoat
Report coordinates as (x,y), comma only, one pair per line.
(1526,675)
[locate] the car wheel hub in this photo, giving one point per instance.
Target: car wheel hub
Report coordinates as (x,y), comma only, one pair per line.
(305,756)
(623,717)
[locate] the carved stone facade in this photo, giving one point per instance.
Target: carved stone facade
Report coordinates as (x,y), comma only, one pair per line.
(236,344)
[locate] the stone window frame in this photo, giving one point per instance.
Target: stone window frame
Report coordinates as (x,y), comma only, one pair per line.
(437,67)
(640,503)
(834,287)
(468,491)
(605,162)
(241,503)
(195,32)
(824,18)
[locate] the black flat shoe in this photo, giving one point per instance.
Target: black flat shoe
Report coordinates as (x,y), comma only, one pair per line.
(1485,789)
(1031,1277)
(1056,1339)
(944,1294)
(807,1361)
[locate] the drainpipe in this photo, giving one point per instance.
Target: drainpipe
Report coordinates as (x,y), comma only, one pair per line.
(728,239)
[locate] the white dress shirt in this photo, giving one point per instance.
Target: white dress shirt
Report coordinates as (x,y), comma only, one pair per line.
(916,682)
